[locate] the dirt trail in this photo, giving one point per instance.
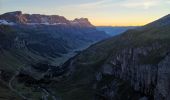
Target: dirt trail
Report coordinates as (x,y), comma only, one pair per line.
(14,90)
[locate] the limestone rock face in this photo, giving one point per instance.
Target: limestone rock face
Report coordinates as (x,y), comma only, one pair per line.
(162,91)
(18,17)
(150,77)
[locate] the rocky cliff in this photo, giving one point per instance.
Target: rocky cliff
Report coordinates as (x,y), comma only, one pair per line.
(144,73)
(18,17)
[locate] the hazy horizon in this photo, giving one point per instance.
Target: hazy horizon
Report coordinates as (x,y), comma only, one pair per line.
(99,12)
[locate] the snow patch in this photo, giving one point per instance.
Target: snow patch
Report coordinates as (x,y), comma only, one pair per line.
(4,22)
(46,23)
(74,22)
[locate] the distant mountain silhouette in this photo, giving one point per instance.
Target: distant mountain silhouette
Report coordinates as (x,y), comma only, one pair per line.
(111,30)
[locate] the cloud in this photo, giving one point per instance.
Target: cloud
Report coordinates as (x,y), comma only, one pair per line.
(145,4)
(134,4)
(142,4)
(168,1)
(84,7)
(94,4)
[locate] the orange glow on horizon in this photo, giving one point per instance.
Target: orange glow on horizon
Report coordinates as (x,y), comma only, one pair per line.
(123,21)
(120,23)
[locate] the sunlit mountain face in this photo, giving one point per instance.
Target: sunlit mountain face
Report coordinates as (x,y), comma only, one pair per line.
(84,50)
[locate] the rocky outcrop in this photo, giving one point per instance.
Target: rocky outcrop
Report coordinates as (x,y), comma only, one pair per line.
(149,76)
(82,22)
(162,91)
(19,44)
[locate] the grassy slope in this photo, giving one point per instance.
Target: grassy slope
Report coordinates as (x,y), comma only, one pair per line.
(6,94)
(131,38)
(79,86)
(11,60)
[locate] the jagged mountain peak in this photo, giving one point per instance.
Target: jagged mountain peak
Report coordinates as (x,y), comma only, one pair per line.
(81,19)
(82,22)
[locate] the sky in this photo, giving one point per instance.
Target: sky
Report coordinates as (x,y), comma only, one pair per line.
(99,12)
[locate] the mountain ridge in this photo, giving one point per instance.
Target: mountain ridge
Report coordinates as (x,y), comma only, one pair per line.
(163,21)
(18,17)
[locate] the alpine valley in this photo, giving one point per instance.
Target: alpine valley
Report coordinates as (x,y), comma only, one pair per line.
(51,58)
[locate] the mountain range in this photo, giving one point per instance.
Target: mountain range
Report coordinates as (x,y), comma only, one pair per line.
(134,65)
(28,39)
(48,36)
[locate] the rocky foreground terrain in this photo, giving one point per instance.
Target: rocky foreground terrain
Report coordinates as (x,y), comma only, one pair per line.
(132,66)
